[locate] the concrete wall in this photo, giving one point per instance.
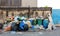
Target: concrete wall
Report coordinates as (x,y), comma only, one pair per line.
(10,2)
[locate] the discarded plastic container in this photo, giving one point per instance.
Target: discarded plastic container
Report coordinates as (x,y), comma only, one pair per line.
(45,23)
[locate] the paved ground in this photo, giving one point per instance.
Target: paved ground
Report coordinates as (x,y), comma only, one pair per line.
(40,33)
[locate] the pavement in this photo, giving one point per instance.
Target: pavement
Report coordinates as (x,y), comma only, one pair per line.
(39,33)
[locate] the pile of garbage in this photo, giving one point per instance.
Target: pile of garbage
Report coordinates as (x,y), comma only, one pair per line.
(18,23)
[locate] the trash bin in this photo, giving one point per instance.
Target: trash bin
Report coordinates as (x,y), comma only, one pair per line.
(45,23)
(31,21)
(39,22)
(34,22)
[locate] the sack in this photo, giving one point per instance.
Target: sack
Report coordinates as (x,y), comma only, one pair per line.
(28,23)
(14,27)
(7,28)
(23,26)
(51,26)
(1,26)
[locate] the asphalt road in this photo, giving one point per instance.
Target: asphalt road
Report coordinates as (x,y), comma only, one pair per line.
(40,33)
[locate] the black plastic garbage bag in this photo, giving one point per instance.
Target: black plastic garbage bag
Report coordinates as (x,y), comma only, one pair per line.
(1,26)
(23,26)
(14,26)
(26,27)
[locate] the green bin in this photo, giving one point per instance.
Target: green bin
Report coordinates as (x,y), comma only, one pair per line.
(34,22)
(39,21)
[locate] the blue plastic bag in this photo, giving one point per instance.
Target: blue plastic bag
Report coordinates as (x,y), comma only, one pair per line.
(23,26)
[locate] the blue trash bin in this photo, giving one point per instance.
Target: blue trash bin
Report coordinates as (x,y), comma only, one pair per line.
(31,21)
(45,23)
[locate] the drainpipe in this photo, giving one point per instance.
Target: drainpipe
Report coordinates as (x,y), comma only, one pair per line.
(7,13)
(28,11)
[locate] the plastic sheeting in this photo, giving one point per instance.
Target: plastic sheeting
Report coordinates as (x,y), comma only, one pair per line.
(56,16)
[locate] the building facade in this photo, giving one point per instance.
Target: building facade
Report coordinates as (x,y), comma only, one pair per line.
(19,3)
(29,3)
(22,7)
